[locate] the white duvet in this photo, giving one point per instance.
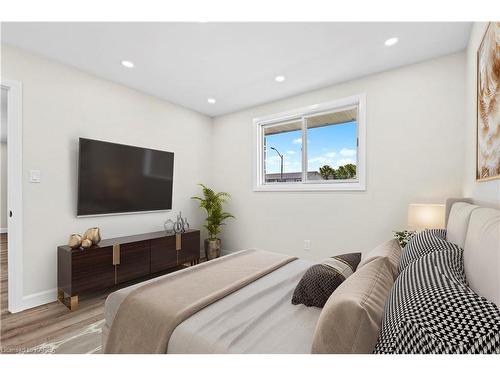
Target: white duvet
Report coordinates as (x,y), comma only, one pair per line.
(259,318)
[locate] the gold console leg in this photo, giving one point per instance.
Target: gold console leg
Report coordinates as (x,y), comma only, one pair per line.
(73,303)
(60,295)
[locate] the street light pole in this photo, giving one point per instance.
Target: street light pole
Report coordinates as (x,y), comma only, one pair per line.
(281,157)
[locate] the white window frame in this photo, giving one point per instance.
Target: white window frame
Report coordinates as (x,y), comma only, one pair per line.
(301,114)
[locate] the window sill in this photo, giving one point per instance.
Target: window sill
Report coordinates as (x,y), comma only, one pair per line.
(338,186)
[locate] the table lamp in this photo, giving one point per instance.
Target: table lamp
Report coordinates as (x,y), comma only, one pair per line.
(426,216)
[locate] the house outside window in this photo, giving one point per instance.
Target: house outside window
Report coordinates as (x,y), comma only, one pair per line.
(318,147)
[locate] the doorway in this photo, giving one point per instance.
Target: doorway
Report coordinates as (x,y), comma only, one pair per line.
(11,254)
(3,202)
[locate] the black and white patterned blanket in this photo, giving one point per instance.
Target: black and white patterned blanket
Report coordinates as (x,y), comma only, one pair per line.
(431,309)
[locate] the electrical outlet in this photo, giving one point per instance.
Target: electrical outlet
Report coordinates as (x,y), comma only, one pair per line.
(307,245)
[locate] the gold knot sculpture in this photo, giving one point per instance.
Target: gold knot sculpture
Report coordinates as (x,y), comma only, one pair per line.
(86,243)
(75,241)
(93,234)
(91,237)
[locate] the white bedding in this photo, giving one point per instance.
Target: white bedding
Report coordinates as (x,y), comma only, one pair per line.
(258,318)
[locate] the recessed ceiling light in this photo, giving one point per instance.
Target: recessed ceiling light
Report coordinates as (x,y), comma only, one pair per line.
(211,100)
(391,41)
(127,64)
(279,78)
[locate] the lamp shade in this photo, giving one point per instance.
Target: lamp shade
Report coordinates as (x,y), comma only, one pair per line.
(426,216)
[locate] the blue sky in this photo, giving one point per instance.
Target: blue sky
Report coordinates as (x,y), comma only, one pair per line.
(328,145)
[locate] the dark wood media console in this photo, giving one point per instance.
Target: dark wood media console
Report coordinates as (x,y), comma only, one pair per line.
(118,260)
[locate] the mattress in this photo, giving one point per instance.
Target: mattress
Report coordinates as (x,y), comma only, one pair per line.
(258,318)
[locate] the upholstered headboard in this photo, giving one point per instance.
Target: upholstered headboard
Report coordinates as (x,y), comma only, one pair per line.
(477,230)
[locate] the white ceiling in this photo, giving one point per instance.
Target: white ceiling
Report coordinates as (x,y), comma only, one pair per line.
(235,63)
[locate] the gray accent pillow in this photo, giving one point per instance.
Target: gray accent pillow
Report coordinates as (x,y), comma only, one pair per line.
(390,250)
(350,321)
(321,280)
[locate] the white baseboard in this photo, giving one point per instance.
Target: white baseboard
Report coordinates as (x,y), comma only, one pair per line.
(3,230)
(40,298)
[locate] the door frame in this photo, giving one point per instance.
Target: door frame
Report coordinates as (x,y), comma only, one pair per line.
(14,193)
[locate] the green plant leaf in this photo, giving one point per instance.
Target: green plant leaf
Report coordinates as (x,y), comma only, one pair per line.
(212,203)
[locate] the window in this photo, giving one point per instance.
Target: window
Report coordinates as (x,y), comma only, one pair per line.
(319,147)
(282,152)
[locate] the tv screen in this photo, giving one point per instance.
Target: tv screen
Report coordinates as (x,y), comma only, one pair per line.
(115,178)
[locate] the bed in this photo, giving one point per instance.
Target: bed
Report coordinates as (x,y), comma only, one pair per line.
(256,316)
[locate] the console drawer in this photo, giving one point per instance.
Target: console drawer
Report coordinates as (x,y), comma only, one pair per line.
(163,254)
(134,261)
(91,270)
(190,247)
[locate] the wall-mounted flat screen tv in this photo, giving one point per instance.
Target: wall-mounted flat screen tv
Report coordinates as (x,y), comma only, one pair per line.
(115,178)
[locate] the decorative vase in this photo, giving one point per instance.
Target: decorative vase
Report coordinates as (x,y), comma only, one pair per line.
(212,248)
(181,225)
(75,241)
(93,234)
(86,243)
(169,226)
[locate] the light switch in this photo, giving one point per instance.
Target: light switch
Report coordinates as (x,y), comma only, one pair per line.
(35,176)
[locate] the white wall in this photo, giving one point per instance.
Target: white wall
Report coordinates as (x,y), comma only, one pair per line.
(415,142)
(3,113)
(61,104)
(487,191)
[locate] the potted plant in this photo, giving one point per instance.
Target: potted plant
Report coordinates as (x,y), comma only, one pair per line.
(212,202)
(404,236)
